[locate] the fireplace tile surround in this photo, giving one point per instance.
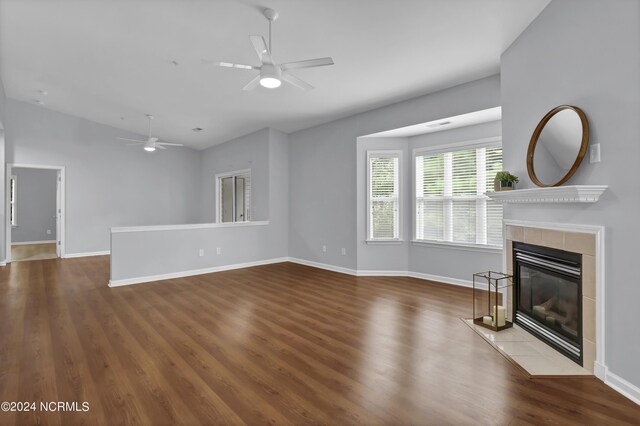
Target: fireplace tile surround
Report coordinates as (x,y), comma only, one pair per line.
(584,243)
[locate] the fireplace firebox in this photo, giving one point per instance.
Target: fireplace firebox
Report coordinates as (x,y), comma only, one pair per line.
(548,296)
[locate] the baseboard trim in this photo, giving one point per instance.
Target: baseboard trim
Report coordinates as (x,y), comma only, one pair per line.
(319,265)
(375,273)
(600,371)
(371,273)
(87,254)
(622,386)
(441,279)
(25,243)
(160,277)
(3,263)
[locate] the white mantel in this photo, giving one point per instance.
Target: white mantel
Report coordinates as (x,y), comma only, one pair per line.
(555,194)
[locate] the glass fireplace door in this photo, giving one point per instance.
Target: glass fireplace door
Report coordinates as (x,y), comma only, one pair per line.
(551,299)
(548,299)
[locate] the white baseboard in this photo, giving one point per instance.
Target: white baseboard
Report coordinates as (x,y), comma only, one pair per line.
(90,253)
(322,266)
(622,386)
(441,279)
(160,277)
(3,263)
(372,273)
(25,243)
(600,371)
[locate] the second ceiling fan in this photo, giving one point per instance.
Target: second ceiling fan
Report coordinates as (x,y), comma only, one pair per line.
(151,143)
(272,74)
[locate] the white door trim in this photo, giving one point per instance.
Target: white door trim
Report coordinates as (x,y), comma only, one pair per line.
(61,205)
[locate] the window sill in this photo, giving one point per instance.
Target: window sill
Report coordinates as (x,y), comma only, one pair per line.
(384,241)
(187,226)
(458,246)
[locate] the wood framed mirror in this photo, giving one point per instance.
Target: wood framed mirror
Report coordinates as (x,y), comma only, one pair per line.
(557,146)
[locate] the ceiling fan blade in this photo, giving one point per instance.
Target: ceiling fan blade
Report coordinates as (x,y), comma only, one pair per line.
(309,63)
(168,144)
(160,146)
(292,79)
(135,144)
(239,66)
(261,49)
(252,84)
(130,140)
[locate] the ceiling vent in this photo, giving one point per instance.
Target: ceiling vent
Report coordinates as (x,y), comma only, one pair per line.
(442,123)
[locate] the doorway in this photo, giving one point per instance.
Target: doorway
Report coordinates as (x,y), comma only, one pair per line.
(35,227)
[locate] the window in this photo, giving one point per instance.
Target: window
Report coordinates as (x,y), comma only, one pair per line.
(450,205)
(12,200)
(383,201)
(234,196)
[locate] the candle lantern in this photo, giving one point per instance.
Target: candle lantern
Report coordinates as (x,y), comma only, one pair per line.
(492,304)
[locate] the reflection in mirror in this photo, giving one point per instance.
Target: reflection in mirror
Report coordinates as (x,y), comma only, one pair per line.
(557,146)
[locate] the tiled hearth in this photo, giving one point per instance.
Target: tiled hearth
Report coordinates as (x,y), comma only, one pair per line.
(584,243)
(533,356)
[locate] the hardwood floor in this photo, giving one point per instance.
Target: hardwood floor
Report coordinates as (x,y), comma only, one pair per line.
(283,343)
(33,252)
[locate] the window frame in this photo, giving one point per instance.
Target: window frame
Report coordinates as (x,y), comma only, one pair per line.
(391,153)
(218,179)
(13,201)
(439,149)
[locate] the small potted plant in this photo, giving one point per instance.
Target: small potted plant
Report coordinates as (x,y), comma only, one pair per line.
(507,180)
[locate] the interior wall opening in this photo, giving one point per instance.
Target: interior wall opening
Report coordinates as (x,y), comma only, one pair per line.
(35,207)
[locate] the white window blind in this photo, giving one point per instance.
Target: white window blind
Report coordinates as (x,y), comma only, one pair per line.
(450,201)
(383,195)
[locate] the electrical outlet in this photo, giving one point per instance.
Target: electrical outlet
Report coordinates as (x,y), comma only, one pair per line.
(324,249)
(594,153)
(344,251)
(48,231)
(201,252)
(219,250)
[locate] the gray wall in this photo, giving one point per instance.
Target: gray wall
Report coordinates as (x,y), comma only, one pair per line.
(383,256)
(279,179)
(150,253)
(587,53)
(153,253)
(323,195)
(3,106)
(246,152)
(35,206)
(107,183)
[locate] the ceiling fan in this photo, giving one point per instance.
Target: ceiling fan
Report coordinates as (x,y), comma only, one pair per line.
(151,143)
(272,74)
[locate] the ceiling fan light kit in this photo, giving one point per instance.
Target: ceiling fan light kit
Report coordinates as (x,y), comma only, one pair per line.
(272,74)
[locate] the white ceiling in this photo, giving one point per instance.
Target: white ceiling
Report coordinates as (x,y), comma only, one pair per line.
(442,124)
(109,61)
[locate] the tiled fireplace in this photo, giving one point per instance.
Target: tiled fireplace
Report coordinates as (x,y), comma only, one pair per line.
(576,250)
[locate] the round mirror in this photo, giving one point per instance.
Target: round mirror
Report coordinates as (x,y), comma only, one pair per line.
(557,146)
